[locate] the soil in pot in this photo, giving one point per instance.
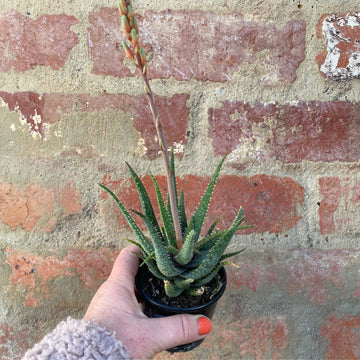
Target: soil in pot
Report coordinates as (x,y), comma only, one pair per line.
(157,304)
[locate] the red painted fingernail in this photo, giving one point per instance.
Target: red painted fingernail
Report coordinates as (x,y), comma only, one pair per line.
(204,325)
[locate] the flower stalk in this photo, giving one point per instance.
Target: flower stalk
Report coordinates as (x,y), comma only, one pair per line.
(176,250)
(137,54)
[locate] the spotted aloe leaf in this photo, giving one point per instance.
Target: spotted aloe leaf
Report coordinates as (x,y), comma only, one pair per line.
(171,289)
(145,243)
(182,213)
(187,252)
(214,254)
(199,216)
(163,261)
(146,205)
(168,225)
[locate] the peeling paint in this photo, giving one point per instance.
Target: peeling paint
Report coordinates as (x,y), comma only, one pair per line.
(341,60)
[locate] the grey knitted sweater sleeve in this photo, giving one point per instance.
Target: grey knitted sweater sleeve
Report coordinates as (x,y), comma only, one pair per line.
(78,340)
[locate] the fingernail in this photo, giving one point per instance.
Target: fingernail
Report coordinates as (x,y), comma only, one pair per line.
(204,325)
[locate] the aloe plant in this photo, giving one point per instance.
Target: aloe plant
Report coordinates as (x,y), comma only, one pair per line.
(175,250)
(200,258)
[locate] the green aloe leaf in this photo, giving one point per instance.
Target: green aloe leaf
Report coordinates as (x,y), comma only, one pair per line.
(212,227)
(226,256)
(151,265)
(171,289)
(172,250)
(200,255)
(169,229)
(147,259)
(214,254)
(199,216)
(208,242)
(205,280)
(183,283)
(182,213)
(145,200)
(147,247)
(138,245)
(187,251)
(163,261)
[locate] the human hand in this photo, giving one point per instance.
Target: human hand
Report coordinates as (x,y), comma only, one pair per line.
(116,308)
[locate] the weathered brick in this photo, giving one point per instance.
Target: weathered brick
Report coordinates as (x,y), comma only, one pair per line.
(254,338)
(25,208)
(316,274)
(174,115)
(341,59)
(319,276)
(33,273)
(70,199)
(202,45)
(289,133)
(30,105)
(26,43)
(343,334)
(260,338)
(333,217)
(270,202)
(254,273)
(15,341)
(37,110)
(32,208)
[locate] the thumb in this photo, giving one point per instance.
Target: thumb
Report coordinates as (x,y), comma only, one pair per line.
(177,330)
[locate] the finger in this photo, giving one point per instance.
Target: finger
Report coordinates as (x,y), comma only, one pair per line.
(177,330)
(125,267)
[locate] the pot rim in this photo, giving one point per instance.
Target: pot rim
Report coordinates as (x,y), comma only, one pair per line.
(216,297)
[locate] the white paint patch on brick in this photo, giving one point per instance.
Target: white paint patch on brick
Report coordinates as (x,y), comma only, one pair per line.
(342,34)
(178,148)
(141,149)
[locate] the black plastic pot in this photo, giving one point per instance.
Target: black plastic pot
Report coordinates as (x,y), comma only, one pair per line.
(153,308)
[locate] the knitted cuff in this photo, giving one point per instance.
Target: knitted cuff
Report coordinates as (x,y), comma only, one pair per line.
(78,339)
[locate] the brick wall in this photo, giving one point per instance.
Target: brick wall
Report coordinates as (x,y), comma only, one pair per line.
(273,84)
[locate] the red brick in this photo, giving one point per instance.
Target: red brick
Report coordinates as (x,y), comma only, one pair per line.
(330,188)
(14,342)
(319,276)
(37,110)
(174,115)
(270,202)
(343,335)
(315,273)
(200,45)
(252,274)
(290,132)
(30,105)
(340,60)
(25,209)
(334,191)
(33,273)
(70,199)
(26,43)
(260,338)
(32,208)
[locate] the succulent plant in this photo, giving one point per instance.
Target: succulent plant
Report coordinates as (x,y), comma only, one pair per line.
(175,251)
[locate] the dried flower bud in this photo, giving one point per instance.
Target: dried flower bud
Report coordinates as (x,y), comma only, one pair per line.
(142,56)
(134,23)
(135,39)
(125,25)
(122,7)
(128,52)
